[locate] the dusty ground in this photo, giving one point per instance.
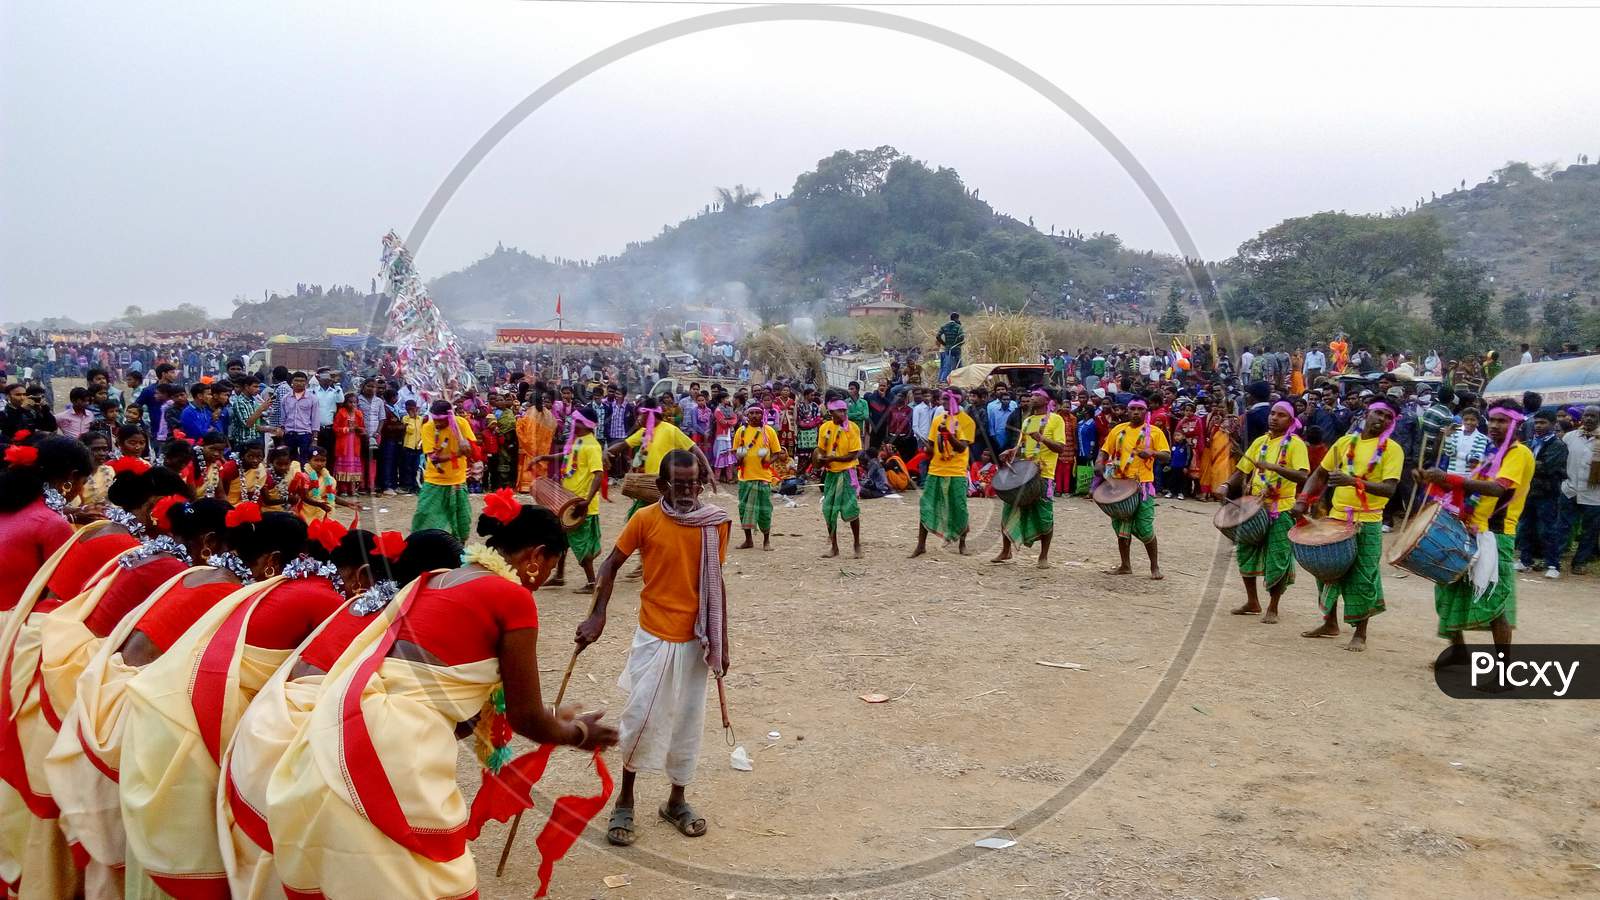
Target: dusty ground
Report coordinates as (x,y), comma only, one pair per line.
(1277,767)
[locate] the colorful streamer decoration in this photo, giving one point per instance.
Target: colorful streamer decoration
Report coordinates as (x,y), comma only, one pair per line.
(427,355)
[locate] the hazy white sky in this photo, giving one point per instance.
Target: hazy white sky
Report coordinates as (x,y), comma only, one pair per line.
(159,153)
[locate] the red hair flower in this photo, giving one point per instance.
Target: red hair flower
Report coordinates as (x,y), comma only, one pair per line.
(129,464)
(161,515)
(21,436)
(18,455)
(502,505)
(327,532)
(389,545)
(243,514)
(178,435)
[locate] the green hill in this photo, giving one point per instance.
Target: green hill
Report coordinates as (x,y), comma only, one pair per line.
(858,217)
(1534,231)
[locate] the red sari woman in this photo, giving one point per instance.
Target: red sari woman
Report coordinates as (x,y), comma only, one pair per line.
(349,436)
(364,800)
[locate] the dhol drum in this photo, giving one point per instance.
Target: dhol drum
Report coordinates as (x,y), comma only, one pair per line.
(640,486)
(568,507)
(1324,547)
(1243,521)
(1019,483)
(1118,497)
(1436,545)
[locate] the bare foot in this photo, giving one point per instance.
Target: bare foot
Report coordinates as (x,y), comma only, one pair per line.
(586,588)
(1004,557)
(767,548)
(1357,644)
(746,545)
(1249,609)
(917,552)
(831,553)
(1155,575)
(1269,618)
(1321,631)
(1119,570)
(555,582)
(1043,564)
(856,553)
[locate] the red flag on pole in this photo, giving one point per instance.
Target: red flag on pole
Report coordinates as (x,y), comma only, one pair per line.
(558,305)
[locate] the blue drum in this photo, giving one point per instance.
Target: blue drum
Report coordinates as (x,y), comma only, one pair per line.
(1324,547)
(1436,545)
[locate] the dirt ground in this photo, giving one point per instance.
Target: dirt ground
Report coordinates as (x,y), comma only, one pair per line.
(1275,766)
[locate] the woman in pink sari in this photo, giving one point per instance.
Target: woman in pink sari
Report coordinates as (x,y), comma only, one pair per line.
(349,434)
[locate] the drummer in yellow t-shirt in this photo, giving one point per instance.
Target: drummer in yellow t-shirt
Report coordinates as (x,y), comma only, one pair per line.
(657,438)
(583,472)
(1131,450)
(944,493)
(1275,466)
(1364,470)
(838,452)
(755,447)
(1497,490)
(1044,438)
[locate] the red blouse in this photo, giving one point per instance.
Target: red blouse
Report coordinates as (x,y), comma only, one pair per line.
(80,563)
(458,625)
(167,620)
(129,588)
(28,537)
(290,612)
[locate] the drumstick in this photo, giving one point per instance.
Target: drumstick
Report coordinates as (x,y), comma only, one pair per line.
(1416,497)
(511,837)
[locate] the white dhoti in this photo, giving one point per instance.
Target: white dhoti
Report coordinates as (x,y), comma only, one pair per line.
(665,714)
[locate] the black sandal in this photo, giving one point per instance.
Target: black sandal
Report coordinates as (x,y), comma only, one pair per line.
(619,831)
(688,823)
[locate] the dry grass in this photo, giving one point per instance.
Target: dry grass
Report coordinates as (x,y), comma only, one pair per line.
(779,355)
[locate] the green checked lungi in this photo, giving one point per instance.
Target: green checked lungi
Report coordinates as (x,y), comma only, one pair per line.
(445,507)
(1460,609)
(944,505)
(1141,526)
(755,505)
(1273,558)
(1026,524)
(584,541)
(1082,477)
(637,505)
(839,499)
(1362,586)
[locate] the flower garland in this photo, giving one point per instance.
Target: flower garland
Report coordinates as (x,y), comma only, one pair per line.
(481,555)
(492,735)
(161,543)
(119,516)
(232,563)
(304,566)
(375,598)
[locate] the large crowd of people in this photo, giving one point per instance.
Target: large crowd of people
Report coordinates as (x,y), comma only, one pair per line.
(226,690)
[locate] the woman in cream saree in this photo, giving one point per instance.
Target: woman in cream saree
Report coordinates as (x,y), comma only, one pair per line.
(364,801)
(180,711)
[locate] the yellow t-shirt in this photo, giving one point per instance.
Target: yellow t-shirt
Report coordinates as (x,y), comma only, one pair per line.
(666,439)
(669,601)
(1390,465)
(833,440)
(413,438)
(1270,448)
(947,463)
(453,471)
(580,470)
(755,467)
(1122,448)
(1055,429)
(1517,468)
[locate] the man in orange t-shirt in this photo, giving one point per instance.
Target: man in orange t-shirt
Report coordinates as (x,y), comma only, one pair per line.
(682,635)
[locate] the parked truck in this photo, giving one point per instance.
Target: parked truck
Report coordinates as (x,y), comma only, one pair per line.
(866,369)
